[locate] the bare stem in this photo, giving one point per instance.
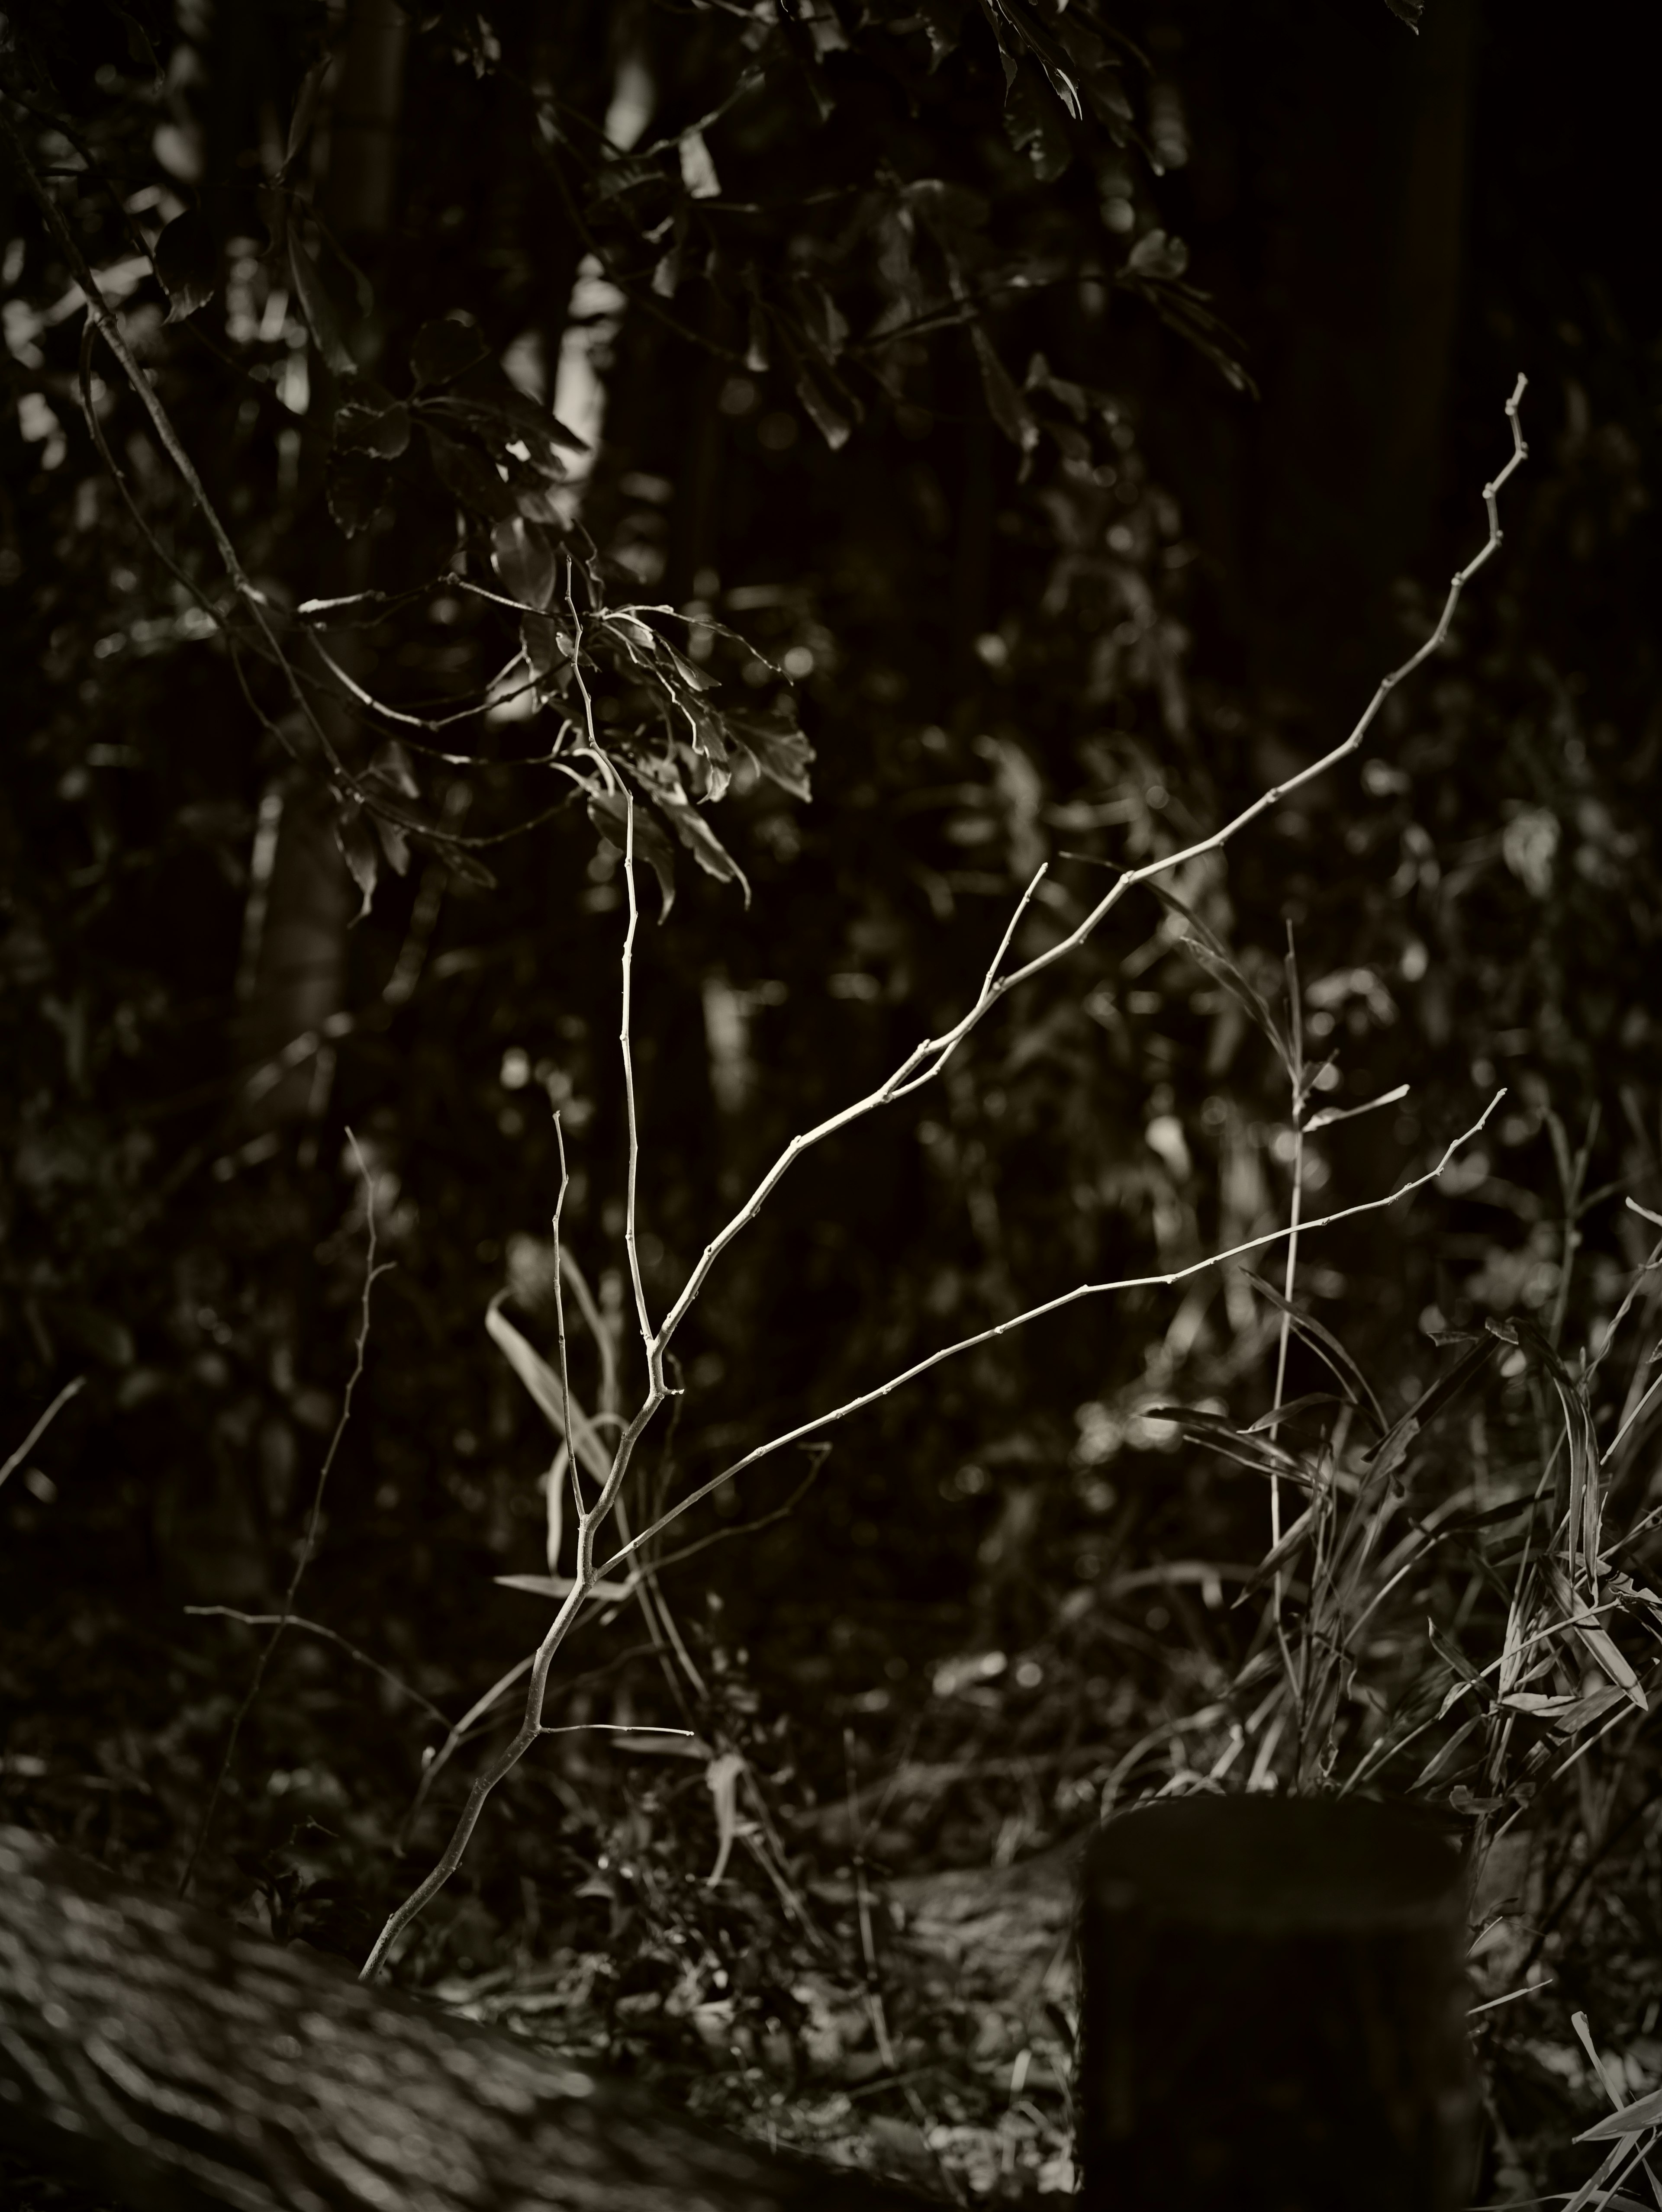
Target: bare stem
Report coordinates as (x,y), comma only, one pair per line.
(928,1057)
(1037,1313)
(372,1270)
(653,1351)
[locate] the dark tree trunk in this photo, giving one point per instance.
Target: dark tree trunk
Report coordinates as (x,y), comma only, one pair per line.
(1274,2012)
(160,2055)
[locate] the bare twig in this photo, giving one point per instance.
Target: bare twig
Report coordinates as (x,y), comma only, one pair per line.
(69,1391)
(281,1620)
(931,1056)
(627,1050)
(927,1058)
(372,1271)
(1037,1313)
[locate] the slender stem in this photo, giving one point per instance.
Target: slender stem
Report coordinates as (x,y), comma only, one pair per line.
(309,1543)
(629,1242)
(1037,1313)
(554,1472)
(931,1056)
(16,1459)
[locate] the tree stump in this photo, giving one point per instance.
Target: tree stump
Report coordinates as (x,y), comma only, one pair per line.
(1274,2010)
(160,2055)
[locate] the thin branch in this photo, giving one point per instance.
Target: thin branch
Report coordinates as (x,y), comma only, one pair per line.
(625,1047)
(281,1620)
(1037,1313)
(309,1543)
(69,1391)
(934,1052)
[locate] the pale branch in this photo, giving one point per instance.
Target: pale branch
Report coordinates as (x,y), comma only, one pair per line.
(280,1620)
(530,1724)
(928,1057)
(935,1051)
(1037,1313)
(16,1459)
(626,1047)
(373,1271)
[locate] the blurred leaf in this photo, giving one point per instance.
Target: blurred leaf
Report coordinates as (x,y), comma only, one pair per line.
(832,426)
(548,646)
(318,310)
(777,747)
(140,52)
(1035,126)
(444,350)
(391,767)
(1004,402)
(300,123)
(1408,11)
(355,485)
(525,561)
(186,257)
(365,428)
(1157,255)
(823,321)
(97,1332)
(698,169)
(609,811)
(463,471)
(705,847)
(358,850)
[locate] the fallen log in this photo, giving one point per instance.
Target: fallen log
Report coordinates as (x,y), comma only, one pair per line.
(152,2051)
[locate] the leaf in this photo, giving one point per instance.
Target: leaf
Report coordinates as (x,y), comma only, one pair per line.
(391,766)
(465,866)
(756,338)
(822,319)
(463,470)
(698,169)
(1410,12)
(363,427)
(525,561)
(186,257)
(1157,256)
(1034,125)
(1392,1448)
(394,842)
(832,426)
(722,1780)
(1632,2120)
(1327,1348)
(300,123)
(1223,970)
(1004,402)
(609,811)
(318,310)
(706,847)
(445,350)
(776,746)
(544,1385)
(358,850)
(355,485)
(99,1332)
(547,647)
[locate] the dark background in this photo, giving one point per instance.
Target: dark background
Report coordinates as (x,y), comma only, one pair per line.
(1003,667)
